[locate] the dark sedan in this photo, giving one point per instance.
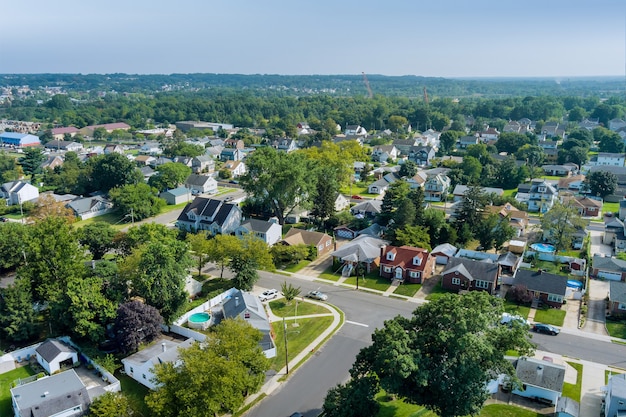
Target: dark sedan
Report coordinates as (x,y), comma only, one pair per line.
(546,328)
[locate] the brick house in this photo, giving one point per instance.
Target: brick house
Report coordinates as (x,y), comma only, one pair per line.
(546,288)
(463,274)
(406,263)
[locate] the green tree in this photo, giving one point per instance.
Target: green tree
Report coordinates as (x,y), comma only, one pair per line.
(32,159)
(100,133)
(169,175)
(13,243)
(17,317)
(226,368)
(431,358)
(472,168)
(601,183)
(98,237)
(355,398)
(395,194)
(412,236)
(289,291)
(251,255)
(447,141)
(289,254)
(609,141)
(200,246)
(510,142)
(221,250)
(326,191)
(9,169)
(560,223)
(111,404)
(493,231)
(471,208)
(278,180)
(408,169)
(136,201)
(112,170)
(184,149)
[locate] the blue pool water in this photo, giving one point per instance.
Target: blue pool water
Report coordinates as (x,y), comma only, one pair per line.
(543,247)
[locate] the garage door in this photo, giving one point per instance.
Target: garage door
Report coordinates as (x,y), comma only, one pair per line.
(611,276)
(442,260)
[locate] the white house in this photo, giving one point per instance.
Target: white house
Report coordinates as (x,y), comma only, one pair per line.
(542,196)
(201,184)
(214,216)
(607,158)
(236,168)
(18,192)
(615,397)
(140,366)
(54,354)
(151,148)
(436,187)
(540,379)
(341,203)
(88,207)
(268,231)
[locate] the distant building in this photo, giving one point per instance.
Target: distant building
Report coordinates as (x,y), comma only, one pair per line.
(186,126)
(18,140)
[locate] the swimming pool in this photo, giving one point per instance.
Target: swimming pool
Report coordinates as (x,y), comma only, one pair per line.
(543,247)
(199,321)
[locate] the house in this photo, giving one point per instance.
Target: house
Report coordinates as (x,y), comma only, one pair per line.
(612,159)
(234,143)
(442,253)
(236,168)
(231,154)
(617,298)
(147,172)
(18,192)
(462,274)
(285,145)
(58,133)
(52,162)
(574,183)
(64,145)
(161,160)
(489,134)
(460,190)
(201,184)
(436,187)
(512,127)
(418,180)
(185,160)
(404,145)
(586,207)
(518,219)
(363,249)
(553,129)
(62,394)
(381,185)
(151,148)
(508,263)
(144,160)
(559,170)
(539,378)
(547,288)
(268,231)
(177,195)
(297,215)
(548,145)
(187,125)
(54,354)
(345,232)
(373,230)
(248,307)
(202,163)
(616,124)
(321,241)
(551,156)
(614,235)
(384,153)
(113,149)
(615,397)
(369,209)
(88,207)
(341,202)
(355,130)
(566,407)
(466,141)
(406,263)
(109,127)
(608,268)
(422,155)
(214,216)
(542,196)
(140,366)
(18,140)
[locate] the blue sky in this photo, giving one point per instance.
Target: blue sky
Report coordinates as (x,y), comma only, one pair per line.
(440,38)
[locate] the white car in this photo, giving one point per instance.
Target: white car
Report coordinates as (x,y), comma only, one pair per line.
(317,295)
(508,318)
(268,294)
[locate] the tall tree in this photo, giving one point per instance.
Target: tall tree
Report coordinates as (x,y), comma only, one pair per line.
(17,317)
(47,205)
(112,170)
(13,243)
(136,201)
(111,404)
(408,169)
(471,208)
(221,250)
(200,246)
(226,368)
(412,236)
(560,223)
(32,159)
(136,323)
(98,237)
(601,183)
(355,398)
(431,358)
(326,191)
(169,176)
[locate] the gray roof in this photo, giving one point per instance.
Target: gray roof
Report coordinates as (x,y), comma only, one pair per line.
(617,387)
(51,395)
(195,179)
(462,189)
(568,406)
(374,230)
(82,205)
(364,248)
(177,192)
(445,248)
(242,302)
(51,348)
(369,206)
(508,259)
(485,271)
(540,373)
(544,282)
(255,225)
(609,264)
(161,351)
(201,206)
(617,291)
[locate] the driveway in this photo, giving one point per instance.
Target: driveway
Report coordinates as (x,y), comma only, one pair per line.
(597,247)
(596,308)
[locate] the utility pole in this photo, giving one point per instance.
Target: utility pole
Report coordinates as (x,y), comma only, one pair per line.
(132,216)
(286,353)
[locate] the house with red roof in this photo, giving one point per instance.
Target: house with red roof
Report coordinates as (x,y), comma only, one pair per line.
(406,263)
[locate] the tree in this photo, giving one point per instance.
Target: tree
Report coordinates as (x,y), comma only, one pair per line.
(111,404)
(200,246)
(519,294)
(221,250)
(136,323)
(100,133)
(9,169)
(444,355)
(447,141)
(251,255)
(112,170)
(408,169)
(169,175)
(289,254)
(289,291)
(510,142)
(471,168)
(226,368)
(13,243)
(601,183)
(99,237)
(136,201)
(32,159)
(395,194)
(356,398)
(493,231)
(47,206)
(17,316)
(184,149)
(325,194)
(471,208)
(412,236)
(559,225)
(610,141)
(278,180)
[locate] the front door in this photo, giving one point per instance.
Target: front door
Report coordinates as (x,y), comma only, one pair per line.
(398,273)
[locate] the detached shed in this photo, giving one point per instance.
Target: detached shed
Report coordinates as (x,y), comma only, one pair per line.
(53,354)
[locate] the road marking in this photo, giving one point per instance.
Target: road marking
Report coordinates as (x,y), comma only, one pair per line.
(357,324)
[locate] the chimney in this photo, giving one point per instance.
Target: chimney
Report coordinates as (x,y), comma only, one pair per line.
(539,373)
(163,347)
(236,301)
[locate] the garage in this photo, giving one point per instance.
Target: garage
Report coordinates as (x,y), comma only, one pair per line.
(611,276)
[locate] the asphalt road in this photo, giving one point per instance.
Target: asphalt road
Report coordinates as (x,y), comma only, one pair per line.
(307,387)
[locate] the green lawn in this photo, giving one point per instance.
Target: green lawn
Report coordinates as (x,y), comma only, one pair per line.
(113,218)
(509,193)
(550,316)
(513,308)
(616,329)
(136,394)
(298,338)
(608,373)
(437,292)
(573,390)
(371,281)
(210,288)
(610,207)
(282,309)
(5,385)
(297,267)
(355,189)
(407,289)
(330,274)
(503,410)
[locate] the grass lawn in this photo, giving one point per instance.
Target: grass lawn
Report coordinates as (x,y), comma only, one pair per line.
(513,308)
(14,216)
(282,309)
(407,289)
(509,193)
(573,390)
(136,394)
(6,379)
(504,410)
(373,282)
(210,288)
(550,267)
(437,292)
(330,274)
(297,267)
(550,316)
(298,338)
(113,218)
(608,373)
(616,329)
(355,189)
(612,207)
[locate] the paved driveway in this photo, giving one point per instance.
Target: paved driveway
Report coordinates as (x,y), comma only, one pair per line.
(596,313)
(597,247)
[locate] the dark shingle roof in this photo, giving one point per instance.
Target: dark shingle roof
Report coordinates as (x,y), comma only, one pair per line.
(51,348)
(609,264)
(485,271)
(617,291)
(255,225)
(541,281)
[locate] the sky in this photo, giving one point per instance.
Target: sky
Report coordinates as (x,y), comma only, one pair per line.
(432,38)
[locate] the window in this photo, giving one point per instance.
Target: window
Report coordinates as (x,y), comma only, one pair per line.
(456,281)
(417,260)
(327,243)
(414,274)
(621,306)
(131,370)
(320,247)
(390,256)
(555,298)
(144,376)
(387,269)
(246,315)
(482,284)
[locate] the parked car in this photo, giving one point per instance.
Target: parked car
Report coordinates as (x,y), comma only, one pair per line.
(297,415)
(546,328)
(357,197)
(268,294)
(317,295)
(508,318)
(3,219)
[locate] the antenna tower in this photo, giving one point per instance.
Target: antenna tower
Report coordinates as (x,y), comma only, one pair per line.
(367,84)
